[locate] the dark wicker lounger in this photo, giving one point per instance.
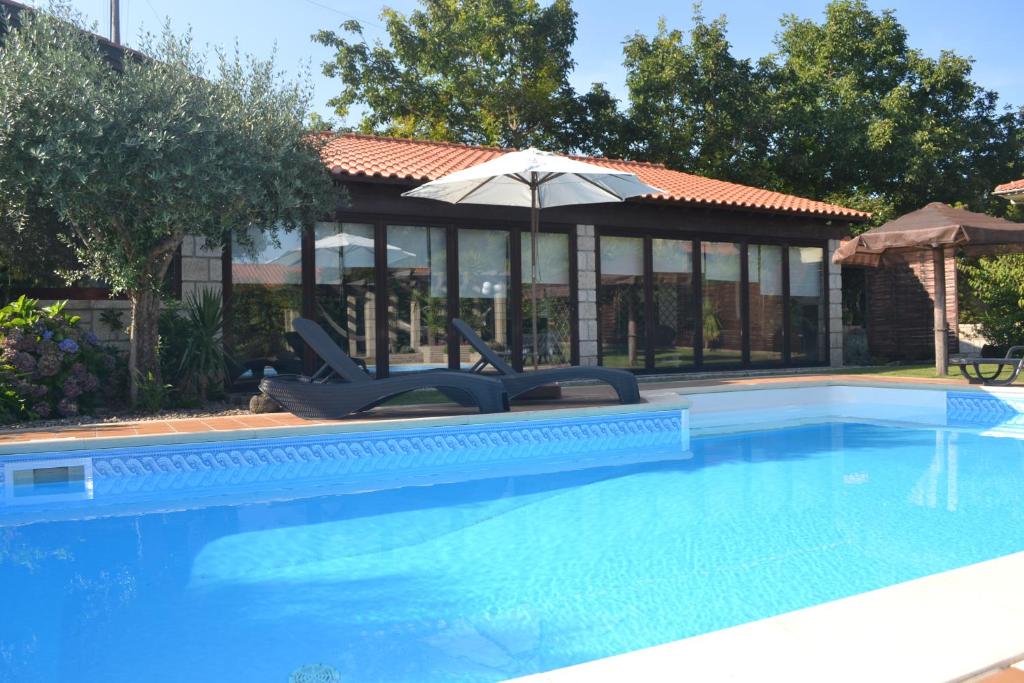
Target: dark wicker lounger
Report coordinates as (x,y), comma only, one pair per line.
(970,368)
(516,383)
(318,398)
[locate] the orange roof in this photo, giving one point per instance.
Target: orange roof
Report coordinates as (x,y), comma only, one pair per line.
(1016,185)
(351,154)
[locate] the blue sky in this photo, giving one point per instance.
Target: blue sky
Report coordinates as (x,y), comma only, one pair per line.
(988,30)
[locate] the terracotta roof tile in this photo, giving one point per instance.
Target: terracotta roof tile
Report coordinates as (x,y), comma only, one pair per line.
(1013,186)
(419,160)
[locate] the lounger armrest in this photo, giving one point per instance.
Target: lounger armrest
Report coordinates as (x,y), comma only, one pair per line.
(1014,350)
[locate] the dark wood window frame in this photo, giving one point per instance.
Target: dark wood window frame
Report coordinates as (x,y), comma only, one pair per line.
(451,227)
(697,238)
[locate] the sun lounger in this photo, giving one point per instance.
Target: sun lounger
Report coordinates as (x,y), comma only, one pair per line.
(970,368)
(341,387)
(516,383)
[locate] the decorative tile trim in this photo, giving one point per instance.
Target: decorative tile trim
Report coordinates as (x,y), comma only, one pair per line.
(973,409)
(415,454)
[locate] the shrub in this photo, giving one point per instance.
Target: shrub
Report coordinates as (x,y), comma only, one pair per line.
(192,351)
(49,366)
(995,298)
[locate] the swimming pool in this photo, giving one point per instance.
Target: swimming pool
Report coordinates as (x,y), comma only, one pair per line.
(384,570)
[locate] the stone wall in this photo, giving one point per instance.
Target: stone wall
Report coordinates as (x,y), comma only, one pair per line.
(586,263)
(200,268)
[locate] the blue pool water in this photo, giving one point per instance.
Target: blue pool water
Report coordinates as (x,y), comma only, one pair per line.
(494,578)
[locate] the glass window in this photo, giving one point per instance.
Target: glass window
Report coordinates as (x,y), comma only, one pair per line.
(766,303)
(674,320)
(807,304)
(722,322)
(345,297)
(554,306)
(417,297)
(484,263)
(621,302)
(266,297)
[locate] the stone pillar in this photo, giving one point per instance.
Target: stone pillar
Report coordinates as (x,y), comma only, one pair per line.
(500,320)
(586,260)
(414,324)
(835,307)
(370,324)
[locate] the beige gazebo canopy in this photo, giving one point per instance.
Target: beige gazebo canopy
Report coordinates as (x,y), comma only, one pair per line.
(937,227)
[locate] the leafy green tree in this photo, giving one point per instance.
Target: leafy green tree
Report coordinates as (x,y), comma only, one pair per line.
(859,116)
(693,106)
(491,72)
(130,159)
(995,298)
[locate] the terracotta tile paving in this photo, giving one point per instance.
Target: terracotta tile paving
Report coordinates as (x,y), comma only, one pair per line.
(1005,676)
(572,397)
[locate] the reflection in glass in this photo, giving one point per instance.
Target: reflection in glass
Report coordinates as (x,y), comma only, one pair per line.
(807,304)
(674,321)
(266,297)
(554,313)
(766,303)
(722,322)
(345,298)
(417,297)
(621,302)
(484,289)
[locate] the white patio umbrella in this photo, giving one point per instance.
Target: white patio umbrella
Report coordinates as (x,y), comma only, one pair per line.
(537,179)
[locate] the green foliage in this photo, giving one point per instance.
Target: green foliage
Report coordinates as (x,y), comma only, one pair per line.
(995,298)
(192,349)
(490,72)
(129,159)
(112,319)
(48,365)
(154,395)
(845,110)
(902,129)
(695,106)
(712,327)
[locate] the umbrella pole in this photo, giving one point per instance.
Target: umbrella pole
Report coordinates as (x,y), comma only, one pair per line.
(534,229)
(941,338)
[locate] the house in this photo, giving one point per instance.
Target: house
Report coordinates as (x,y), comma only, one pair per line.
(710,275)
(1012,191)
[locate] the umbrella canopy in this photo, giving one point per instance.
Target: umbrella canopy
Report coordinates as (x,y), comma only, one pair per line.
(537,179)
(514,178)
(935,225)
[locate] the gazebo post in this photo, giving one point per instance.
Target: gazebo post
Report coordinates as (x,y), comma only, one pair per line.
(941,338)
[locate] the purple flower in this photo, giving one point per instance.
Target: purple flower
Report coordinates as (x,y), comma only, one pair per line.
(49,365)
(41,409)
(91,339)
(72,389)
(68,346)
(67,407)
(90,382)
(24,362)
(48,335)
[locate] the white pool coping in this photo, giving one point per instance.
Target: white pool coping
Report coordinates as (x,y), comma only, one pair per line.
(949,626)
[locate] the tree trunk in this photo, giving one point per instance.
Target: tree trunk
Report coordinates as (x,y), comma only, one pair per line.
(143,354)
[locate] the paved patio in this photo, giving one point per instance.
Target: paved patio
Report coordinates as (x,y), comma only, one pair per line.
(572,397)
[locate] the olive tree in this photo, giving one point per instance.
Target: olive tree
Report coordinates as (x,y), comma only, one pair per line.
(133,153)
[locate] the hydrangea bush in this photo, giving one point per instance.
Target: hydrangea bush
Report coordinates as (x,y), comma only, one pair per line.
(49,366)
